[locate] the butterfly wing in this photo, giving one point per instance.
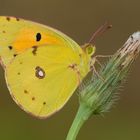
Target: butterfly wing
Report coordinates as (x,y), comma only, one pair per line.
(41,80)
(17,35)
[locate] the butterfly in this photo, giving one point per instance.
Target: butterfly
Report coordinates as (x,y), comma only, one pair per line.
(43,67)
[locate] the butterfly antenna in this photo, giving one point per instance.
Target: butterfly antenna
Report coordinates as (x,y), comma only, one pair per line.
(103,28)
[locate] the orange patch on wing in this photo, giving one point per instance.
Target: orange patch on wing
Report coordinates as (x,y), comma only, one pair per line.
(26,38)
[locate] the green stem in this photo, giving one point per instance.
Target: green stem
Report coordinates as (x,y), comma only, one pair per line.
(82,115)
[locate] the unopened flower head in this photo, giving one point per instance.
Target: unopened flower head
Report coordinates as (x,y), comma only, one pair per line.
(98,94)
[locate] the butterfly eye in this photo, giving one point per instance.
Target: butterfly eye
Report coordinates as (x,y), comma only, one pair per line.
(38,37)
(40,73)
(89,49)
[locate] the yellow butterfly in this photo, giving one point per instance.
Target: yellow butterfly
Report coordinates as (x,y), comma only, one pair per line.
(43,66)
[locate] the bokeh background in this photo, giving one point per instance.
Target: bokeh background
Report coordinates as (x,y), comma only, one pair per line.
(78,19)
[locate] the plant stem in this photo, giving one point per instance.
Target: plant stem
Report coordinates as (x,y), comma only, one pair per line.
(82,115)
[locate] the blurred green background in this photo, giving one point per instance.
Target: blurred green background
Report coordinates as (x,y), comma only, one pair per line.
(78,19)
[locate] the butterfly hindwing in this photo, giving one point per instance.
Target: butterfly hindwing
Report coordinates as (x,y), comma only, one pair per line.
(41,82)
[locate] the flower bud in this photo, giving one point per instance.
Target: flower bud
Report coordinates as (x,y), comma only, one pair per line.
(98,94)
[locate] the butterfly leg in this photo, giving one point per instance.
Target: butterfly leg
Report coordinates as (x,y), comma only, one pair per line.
(95,60)
(103,56)
(95,71)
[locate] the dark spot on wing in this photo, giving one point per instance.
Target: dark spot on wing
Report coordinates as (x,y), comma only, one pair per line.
(39,72)
(10,47)
(3,32)
(15,55)
(8,18)
(20,63)
(73,66)
(34,50)
(18,73)
(38,37)
(33,98)
(44,103)
(25,91)
(17,19)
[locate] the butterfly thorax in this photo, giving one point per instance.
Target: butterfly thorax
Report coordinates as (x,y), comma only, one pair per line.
(82,67)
